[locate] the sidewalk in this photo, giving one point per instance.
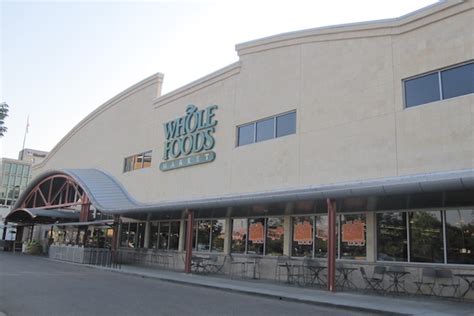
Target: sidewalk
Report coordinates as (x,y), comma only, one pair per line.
(362,302)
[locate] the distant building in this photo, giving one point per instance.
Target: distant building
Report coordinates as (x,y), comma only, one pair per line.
(32,155)
(14,176)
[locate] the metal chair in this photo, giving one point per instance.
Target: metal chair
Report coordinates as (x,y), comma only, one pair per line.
(445,279)
(373,283)
(428,279)
(281,263)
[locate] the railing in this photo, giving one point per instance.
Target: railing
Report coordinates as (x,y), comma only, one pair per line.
(104,258)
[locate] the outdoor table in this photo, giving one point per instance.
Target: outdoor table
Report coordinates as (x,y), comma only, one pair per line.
(343,279)
(397,285)
(469,278)
(315,270)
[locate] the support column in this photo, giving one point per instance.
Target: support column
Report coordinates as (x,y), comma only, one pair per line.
(182,235)
(287,237)
(371,233)
(331,245)
(189,241)
(85,209)
(146,242)
(4,234)
(228,236)
(115,238)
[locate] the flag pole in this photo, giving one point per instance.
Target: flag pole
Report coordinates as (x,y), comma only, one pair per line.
(24,138)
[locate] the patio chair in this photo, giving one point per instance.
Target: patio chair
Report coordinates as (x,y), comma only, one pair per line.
(374,282)
(281,263)
(446,279)
(428,279)
(212,265)
(312,271)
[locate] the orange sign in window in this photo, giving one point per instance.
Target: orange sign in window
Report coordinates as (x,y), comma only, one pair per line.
(303,233)
(256,233)
(354,232)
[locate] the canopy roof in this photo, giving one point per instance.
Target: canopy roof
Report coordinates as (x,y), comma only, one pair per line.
(109,196)
(35,215)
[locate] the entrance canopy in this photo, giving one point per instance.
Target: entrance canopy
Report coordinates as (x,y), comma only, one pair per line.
(41,216)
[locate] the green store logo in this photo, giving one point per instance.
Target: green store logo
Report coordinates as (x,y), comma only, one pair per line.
(190,138)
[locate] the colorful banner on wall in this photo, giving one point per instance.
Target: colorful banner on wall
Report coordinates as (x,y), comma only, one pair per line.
(256,233)
(303,233)
(353,233)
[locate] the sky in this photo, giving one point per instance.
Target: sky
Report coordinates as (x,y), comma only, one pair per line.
(60,60)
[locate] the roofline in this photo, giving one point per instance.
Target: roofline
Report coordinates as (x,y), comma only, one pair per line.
(151,80)
(201,83)
(382,27)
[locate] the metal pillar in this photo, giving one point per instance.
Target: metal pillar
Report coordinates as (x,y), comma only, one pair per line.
(331,245)
(189,241)
(85,209)
(4,234)
(115,238)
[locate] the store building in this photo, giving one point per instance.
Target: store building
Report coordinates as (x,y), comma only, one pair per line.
(366,128)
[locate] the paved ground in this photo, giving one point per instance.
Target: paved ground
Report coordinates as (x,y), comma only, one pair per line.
(37,286)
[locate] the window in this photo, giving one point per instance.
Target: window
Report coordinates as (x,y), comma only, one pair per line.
(218,235)
(246,134)
(392,236)
(353,236)
(460,236)
(458,81)
(426,237)
(163,237)
(256,236)
(265,129)
(321,234)
(424,233)
(174,236)
(209,235)
(286,124)
(275,233)
(268,128)
(239,235)
(302,244)
(440,85)
(139,161)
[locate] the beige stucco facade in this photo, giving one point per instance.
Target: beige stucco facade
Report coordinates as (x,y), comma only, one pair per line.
(344,82)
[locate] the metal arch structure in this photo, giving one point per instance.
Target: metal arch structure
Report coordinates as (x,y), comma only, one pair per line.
(58,191)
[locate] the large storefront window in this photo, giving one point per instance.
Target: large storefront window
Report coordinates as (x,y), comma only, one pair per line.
(163,237)
(302,245)
(321,236)
(392,236)
(353,237)
(132,235)
(209,235)
(239,235)
(275,233)
(256,236)
(154,235)
(218,235)
(124,235)
(460,236)
(265,236)
(426,237)
(174,236)
(203,235)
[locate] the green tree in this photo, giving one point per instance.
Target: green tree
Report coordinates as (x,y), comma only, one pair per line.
(3,115)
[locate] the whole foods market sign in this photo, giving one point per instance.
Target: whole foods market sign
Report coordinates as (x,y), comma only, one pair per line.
(190,138)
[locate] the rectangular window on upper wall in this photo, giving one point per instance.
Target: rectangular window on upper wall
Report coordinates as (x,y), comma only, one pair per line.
(268,128)
(139,161)
(439,85)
